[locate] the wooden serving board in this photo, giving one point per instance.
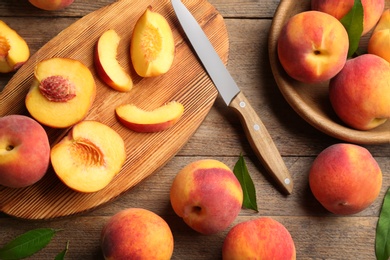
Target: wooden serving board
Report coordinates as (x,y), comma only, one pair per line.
(186,82)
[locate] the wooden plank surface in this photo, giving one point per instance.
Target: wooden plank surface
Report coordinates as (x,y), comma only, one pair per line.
(317,234)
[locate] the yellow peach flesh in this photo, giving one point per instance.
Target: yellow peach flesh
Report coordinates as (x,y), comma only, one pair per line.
(61,114)
(152,45)
(14,50)
(151,121)
(107,64)
(89,157)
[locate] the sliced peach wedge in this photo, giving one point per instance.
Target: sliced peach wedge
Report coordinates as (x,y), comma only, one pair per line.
(88,158)
(14,51)
(152,47)
(107,65)
(61,93)
(159,119)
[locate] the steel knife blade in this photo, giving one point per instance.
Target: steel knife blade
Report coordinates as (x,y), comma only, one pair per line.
(258,136)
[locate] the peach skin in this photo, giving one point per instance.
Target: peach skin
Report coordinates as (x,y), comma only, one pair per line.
(207,195)
(379,43)
(313,46)
(345,178)
(260,238)
(24,151)
(136,233)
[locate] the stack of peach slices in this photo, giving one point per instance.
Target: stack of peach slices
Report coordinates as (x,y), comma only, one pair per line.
(61,95)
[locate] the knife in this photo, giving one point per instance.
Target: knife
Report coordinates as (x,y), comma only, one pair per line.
(258,136)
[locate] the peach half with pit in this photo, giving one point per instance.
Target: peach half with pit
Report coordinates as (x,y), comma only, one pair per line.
(62,92)
(207,196)
(136,233)
(24,151)
(379,43)
(372,10)
(14,51)
(313,46)
(89,157)
(152,47)
(345,178)
(359,94)
(259,238)
(51,5)
(107,64)
(141,120)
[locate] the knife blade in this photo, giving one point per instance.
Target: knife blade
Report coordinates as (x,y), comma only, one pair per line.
(258,136)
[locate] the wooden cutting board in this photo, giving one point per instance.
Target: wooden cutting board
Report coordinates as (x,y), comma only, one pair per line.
(186,82)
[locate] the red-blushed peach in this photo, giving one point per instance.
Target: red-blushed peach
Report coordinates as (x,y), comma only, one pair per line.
(260,238)
(24,151)
(14,51)
(137,233)
(207,195)
(379,43)
(51,5)
(313,46)
(107,65)
(372,10)
(345,178)
(159,119)
(359,93)
(88,158)
(152,47)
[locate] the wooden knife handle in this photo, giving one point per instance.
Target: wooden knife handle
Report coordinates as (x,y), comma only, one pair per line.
(262,143)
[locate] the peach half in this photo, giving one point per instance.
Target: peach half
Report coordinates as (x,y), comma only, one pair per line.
(152,45)
(89,157)
(107,65)
(159,119)
(61,93)
(14,51)
(379,43)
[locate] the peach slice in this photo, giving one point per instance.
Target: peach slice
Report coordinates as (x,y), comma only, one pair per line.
(107,65)
(89,157)
(152,46)
(14,51)
(62,92)
(159,119)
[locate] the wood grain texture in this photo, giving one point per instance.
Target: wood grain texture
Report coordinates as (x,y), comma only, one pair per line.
(311,101)
(186,82)
(317,233)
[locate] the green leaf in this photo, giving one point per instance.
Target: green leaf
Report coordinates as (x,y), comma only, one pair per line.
(248,188)
(382,240)
(27,244)
(353,23)
(61,255)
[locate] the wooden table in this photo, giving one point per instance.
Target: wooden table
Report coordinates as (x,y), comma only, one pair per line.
(317,233)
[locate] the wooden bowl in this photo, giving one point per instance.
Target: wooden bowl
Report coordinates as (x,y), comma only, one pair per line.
(311,101)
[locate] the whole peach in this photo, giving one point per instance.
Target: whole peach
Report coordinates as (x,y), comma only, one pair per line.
(137,233)
(372,10)
(24,151)
(313,46)
(345,178)
(359,93)
(260,238)
(379,43)
(207,195)
(51,5)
